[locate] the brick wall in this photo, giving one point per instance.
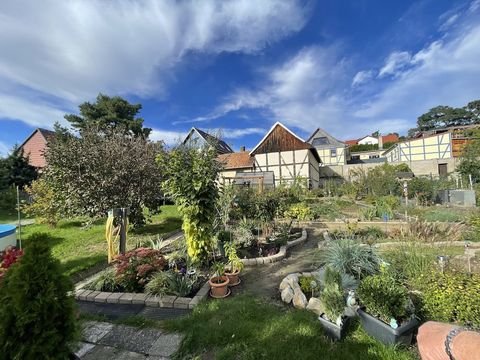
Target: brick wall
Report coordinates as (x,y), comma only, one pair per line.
(34,148)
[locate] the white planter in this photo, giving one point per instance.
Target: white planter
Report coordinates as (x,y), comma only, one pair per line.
(8,236)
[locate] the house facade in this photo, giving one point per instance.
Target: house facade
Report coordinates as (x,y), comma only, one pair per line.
(35,145)
(286,157)
(330,150)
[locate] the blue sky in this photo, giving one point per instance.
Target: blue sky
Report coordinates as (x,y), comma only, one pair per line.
(350,67)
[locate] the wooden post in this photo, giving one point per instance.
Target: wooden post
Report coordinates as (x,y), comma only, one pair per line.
(122,215)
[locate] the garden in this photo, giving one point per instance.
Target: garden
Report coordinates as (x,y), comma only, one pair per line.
(348,274)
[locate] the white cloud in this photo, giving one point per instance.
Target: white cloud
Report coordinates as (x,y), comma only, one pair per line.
(4,149)
(236,133)
(168,137)
(395,62)
(362,77)
(74,49)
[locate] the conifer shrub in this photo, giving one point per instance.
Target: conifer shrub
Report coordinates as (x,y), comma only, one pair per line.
(37,319)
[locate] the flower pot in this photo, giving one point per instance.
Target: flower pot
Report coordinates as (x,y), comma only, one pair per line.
(332,330)
(219,287)
(385,333)
(233,277)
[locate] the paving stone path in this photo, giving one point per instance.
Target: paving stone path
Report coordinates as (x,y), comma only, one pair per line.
(105,341)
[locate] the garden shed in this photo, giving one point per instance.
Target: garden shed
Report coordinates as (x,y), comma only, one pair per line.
(287,156)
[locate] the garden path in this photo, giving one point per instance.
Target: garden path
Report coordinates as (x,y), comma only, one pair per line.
(264,280)
(102,341)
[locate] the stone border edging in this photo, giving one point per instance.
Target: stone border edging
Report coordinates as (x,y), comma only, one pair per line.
(166,301)
(279,256)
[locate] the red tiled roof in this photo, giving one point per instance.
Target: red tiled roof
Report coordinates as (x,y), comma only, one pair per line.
(351,142)
(390,138)
(237,160)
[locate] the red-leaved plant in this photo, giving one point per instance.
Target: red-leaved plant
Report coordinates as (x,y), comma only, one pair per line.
(9,257)
(134,269)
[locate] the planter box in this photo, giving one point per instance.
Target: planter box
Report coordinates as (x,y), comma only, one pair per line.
(332,330)
(384,332)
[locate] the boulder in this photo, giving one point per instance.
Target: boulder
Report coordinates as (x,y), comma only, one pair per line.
(316,305)
(299,299)
(287,295)
(289,280)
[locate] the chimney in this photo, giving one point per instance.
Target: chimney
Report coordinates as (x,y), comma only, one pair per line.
(380,141)
(242,148)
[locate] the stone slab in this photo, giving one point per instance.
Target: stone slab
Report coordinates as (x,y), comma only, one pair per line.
(152,300)
(167,301)
(94,331)
(102,297)
(204,290)
(131,338)
(126,298)
(166,345)
(139,298)
(195,301)
(83,295)
(83,349)
(114,298)
(91,296)
(181,303)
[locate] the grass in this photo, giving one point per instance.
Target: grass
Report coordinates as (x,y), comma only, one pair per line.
(79,248)
(247,328)
(438,213)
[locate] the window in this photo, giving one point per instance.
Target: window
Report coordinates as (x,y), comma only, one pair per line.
(320,141)
(355,157)
(333,152)
(373,156)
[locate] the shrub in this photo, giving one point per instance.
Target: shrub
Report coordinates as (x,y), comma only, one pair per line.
(105,282)
(180,285)
(384,297)
(408,261)
(9,257)
(300,211)
(8,200)
(349,257)
(327,209)
(332,295)
(134,268)
(422,189)
(308,284)
(242,234)
(158,284)
(450,297)
(432,231)
(37,318)
(45,207)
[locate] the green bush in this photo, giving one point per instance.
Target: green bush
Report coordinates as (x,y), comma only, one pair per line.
(423,189)
(352,258)
(8,200)
(332,295)
(105,282)
(37,319)
(384,297)
(158,284)
(300,211)
(308,284)
(450,297)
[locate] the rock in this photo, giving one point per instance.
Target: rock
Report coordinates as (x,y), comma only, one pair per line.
(287,295)
(299,300)
(316,305)
(289,280)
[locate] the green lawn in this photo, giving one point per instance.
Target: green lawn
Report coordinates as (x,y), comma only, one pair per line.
(439,213)
(248,328)
(79,247)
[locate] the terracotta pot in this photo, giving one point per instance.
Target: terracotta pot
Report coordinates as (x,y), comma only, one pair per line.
(233,277)
(219,286)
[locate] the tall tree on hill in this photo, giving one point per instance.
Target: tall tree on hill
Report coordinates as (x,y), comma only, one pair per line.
(108,114)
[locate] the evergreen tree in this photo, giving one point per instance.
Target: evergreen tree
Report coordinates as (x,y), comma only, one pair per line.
(15,170)
(37,319)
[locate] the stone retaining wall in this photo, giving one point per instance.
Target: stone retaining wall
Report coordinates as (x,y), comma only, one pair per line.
(279,256)
(166,301)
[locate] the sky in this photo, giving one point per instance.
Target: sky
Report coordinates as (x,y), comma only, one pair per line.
(237,67)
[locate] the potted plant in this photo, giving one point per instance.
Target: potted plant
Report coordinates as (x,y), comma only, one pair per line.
(388,313)
(219,282)
(333,320)
(235,265)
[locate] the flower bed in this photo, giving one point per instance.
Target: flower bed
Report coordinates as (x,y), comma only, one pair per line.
(7,258)
(145,276)
(282,253)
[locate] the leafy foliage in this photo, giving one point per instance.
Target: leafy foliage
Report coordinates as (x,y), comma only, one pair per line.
(95,173)
(469,161)
(384,297)
(191,176)
(242,233)
(37,318)
(109,114)
(300,211)
(105,282)
(308,284)
(45,206)
(451,296)
(180,285)
(158,284)
(134,268)
(332,294)
(350,257)
(8,257)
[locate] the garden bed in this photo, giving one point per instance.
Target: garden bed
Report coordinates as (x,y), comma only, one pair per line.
(281,254)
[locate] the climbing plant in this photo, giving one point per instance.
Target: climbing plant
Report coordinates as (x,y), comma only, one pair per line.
(190,179)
